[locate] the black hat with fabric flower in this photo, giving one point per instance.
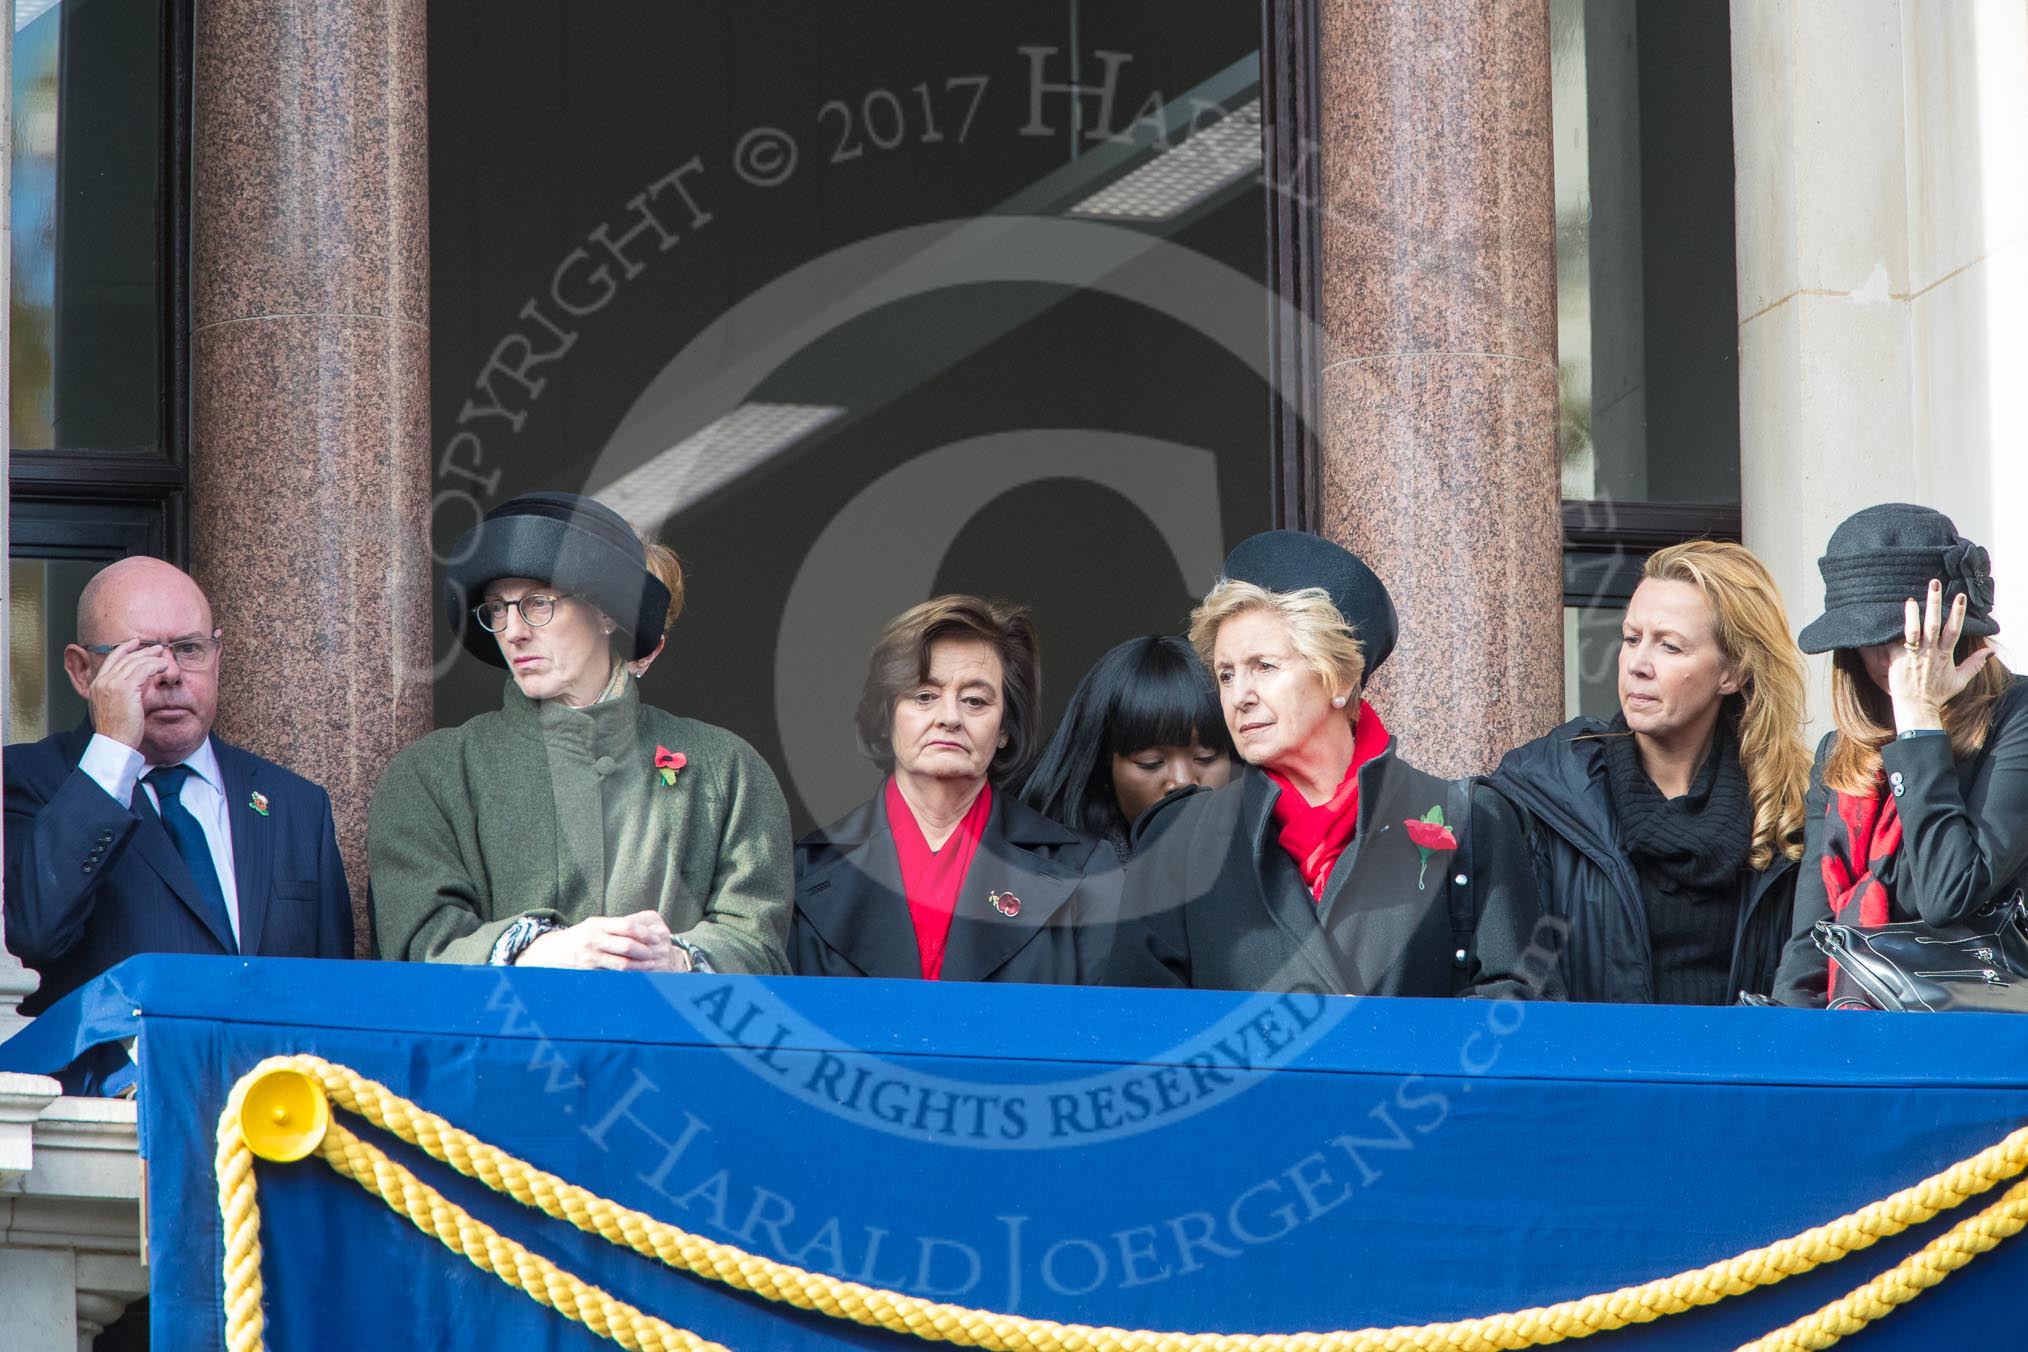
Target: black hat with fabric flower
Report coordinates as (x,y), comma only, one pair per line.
(1290,560)
(1883,557)
(570,542)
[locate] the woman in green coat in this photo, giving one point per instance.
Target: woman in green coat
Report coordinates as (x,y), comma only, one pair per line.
(576,826)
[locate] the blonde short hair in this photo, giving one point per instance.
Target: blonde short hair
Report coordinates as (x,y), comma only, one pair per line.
(1317,632)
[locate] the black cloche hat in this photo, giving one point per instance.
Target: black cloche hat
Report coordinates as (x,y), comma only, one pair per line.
(1886,555)
(1290,560)
(568,541)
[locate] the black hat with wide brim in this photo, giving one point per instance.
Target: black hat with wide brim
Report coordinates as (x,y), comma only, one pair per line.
(1290,560)
(568,542)
(1879,560)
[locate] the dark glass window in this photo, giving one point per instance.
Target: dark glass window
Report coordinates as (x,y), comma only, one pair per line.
(85,328)
(1647,311)
(97,318)
(854,305)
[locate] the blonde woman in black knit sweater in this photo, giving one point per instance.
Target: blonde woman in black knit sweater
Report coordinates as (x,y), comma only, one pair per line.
(1668,837)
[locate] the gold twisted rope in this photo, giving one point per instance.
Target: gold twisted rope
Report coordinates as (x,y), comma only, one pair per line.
(430,1212)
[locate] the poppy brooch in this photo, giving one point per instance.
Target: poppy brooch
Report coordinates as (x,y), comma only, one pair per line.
(667,763)
(1431,836)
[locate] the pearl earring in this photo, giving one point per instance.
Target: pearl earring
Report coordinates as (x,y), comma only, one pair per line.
(1338,703)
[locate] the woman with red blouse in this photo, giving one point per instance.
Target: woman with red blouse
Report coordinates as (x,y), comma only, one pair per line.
(944,874)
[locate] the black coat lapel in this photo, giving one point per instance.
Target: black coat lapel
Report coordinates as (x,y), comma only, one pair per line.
(855,900)
(1380,893)
(1029,884)
(1282,889)
(252,843)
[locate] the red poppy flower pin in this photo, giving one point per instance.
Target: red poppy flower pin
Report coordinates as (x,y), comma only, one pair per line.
(667,763)
(1431,836)
(1006,903)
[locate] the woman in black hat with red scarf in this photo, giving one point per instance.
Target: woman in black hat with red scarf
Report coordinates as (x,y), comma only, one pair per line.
(1329,864)
(944,874)
(1918,805)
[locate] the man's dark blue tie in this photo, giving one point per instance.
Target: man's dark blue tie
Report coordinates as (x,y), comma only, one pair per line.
(191,844)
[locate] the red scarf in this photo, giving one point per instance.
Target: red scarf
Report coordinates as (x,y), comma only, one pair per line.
(930,879)
(1872,835)
(1316,836)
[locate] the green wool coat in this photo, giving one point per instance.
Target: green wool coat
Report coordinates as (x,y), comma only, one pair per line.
(541,809)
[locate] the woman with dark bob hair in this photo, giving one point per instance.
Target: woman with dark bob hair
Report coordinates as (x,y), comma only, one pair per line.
(944,873)
(1918,803)
(1330,864)
(576,826)
(1143,723)
(1668,838)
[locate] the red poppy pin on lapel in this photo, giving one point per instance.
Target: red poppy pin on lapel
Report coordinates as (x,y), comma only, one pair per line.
(259,803)
(1006,903)
(667,763)
(1430,835)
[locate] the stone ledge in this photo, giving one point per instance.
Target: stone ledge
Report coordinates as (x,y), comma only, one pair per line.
(87,1148)
(23,1101)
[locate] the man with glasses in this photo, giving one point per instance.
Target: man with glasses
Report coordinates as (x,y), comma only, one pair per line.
(140,832)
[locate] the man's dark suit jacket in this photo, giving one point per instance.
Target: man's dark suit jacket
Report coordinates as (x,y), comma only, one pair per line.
(91,883)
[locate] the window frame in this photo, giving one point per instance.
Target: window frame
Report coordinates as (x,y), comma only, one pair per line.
(140,496)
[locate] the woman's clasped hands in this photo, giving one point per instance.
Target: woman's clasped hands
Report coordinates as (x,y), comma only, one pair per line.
(640,942)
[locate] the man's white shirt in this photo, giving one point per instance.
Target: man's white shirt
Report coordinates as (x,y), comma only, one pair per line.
(118,768)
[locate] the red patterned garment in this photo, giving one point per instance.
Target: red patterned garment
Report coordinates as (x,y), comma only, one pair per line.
(1872,833)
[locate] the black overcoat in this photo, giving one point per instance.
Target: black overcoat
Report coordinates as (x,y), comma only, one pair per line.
(1213,901)
(1964,837)
(1559,783)
(851,917)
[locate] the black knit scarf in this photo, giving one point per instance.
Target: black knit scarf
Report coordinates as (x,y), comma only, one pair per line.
(1701,840)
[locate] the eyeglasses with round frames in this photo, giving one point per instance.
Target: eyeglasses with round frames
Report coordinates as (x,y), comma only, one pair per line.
(193,652)
(537,609)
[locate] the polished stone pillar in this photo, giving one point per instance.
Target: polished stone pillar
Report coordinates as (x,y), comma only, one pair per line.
(1438,390)
(1883,279)
(310,376)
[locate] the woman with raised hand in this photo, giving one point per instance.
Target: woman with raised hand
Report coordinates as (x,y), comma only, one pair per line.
(1143,723)
(576,826)
(1668,837)
(944,873)
(1329,864)
(1918,805)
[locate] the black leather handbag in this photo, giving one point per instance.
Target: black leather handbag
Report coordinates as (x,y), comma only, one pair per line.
(1979,966)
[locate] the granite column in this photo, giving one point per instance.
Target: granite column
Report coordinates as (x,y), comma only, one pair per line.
(310,373)
(1438,390)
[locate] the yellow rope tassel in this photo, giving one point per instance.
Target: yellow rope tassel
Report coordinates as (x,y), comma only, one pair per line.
(240,1212)
(490,1251)
(1908,1279)
(962,1326)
